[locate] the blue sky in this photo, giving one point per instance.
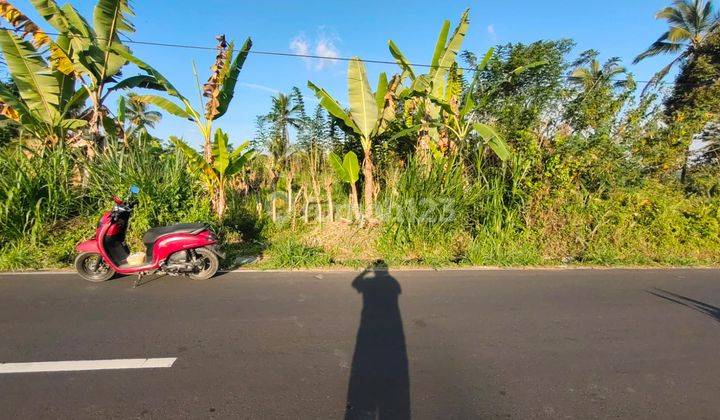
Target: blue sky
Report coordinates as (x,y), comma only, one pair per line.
(620,28)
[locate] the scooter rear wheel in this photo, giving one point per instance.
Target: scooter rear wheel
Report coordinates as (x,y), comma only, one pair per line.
(208,266)
(91,267)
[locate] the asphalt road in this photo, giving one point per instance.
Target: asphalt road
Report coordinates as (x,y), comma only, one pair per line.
(457,344)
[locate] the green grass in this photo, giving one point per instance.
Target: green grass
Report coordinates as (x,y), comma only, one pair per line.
(35,192)
(504,249)
(291,253)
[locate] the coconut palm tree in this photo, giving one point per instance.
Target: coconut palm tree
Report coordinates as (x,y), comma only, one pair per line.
(285,113)
(594,74)
(601,90)
(690,21)
(137,115)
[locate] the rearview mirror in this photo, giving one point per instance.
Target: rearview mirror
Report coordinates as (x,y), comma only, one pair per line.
(134,189)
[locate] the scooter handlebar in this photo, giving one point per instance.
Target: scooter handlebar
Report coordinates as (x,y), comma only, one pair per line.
(129,202)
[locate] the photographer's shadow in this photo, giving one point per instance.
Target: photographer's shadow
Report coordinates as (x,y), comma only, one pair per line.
(379,384)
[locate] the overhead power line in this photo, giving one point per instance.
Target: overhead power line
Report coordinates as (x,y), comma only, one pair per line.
(257,52)
(288,54)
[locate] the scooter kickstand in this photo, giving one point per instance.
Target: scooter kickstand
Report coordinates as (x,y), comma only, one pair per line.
(137,281)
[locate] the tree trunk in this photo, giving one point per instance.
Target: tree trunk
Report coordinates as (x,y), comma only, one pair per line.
(306,206)
(220,202)
(273,196)
(369,186)
(318,204)
(95,121)
(273,207)
(683,171)
(207,149)
(289,193)
(354,202)
(331,208)
(293,206)
(316,196)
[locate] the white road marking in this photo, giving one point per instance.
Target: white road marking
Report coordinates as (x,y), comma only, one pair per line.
(76,365)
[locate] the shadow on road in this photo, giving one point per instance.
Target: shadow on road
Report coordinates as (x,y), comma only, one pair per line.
(379,385)
(702,307)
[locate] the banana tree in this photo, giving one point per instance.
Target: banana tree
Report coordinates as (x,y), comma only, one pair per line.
(91,55)
(426,90)
(437,95)
(219,91)
(457,116)
(224,165)
(459,122)
(347,170)
(369,115)
(46,93)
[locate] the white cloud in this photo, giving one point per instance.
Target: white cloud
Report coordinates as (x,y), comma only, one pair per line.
(491,32)
(323,45)
(259,87)
(300,45)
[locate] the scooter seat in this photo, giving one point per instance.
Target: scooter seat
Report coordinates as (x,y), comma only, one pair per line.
(153,234)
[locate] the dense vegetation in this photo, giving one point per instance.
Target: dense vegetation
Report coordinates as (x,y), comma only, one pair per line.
(522,155)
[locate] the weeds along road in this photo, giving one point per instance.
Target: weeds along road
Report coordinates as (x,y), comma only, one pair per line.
(456,344)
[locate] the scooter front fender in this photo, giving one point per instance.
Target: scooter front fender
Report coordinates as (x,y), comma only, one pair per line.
(88,246)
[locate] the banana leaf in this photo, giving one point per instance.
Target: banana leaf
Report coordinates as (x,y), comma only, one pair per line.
(165,104)
(38,87)
(493,140)
(338,167)
(350,162)
(402,61)
(110,19)
(220,152)
(439,74)
(333,107)
(228,87)
(363,107)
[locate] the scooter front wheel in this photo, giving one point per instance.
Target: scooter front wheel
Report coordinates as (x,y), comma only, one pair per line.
(91,267)
(207,264)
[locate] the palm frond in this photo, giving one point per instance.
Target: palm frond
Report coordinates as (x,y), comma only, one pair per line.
(677,34)
(659,76)
(657,48)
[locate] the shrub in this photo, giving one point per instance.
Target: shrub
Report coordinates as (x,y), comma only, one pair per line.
(650,224)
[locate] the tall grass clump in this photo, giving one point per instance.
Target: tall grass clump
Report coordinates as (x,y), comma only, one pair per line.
(500,233)
(37,189)
(287,251)
(428,212)
(458,210)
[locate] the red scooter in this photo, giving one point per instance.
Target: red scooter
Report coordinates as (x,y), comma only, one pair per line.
(189,249)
